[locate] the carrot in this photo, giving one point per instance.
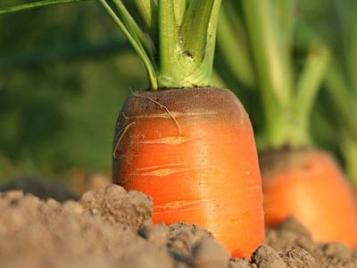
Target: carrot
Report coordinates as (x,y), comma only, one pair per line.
(302,182)
(180,147)
(189,146)
(308,185)
(178,141)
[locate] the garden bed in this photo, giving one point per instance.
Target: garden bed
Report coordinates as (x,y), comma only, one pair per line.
(113,228)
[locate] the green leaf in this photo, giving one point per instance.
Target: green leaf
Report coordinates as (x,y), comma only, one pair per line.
(342,99)
(195,26)
(285,10)
(148,10)
(349,151)
(310,82)
(132,26)
(33,5)
(232,43)
(272,61)
(131,34)
(346,15)
(168,39)
(180,9)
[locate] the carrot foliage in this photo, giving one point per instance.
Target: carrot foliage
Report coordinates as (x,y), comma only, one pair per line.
(33,5)
(174,38)
(259,47)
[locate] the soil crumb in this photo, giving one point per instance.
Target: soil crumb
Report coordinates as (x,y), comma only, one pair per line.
(111,227)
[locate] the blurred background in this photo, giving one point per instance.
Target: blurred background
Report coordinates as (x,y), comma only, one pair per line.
(64,73)
(66,70)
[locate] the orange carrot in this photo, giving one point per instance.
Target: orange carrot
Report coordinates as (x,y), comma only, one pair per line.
(305,184)
(355,194)
(309,186)
(180,147)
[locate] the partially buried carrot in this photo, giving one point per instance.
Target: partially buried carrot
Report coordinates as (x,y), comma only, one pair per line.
(308,185)
(189,146)
(302,183)
(180,146)
(298,180)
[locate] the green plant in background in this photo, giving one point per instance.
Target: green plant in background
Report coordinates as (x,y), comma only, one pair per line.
(258,47)
(299,179)
(341,84)
(58,97)
(339,100)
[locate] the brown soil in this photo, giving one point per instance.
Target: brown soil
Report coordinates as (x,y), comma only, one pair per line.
(112,228)
(40,187)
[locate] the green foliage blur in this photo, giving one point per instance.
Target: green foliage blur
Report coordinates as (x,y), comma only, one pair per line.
(64,73)
(66,70)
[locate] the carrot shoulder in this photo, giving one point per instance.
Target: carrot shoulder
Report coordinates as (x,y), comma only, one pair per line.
(193,151)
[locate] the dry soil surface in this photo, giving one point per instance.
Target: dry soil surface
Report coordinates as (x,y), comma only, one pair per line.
(112,228)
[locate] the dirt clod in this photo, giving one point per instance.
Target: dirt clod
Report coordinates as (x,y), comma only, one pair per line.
(115,205)
(111,228)
(266,257)
(300,258)
(337,255)
(209,254)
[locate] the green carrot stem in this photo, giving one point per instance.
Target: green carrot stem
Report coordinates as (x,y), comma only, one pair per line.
(268,49)
(272,65)
(194,27)
(349,151)
(34,5)
(186,52)
(176,43)
(130,23)
(180,9)
(308,85)
(144,7)
(285,10)
(342,98)
(346,12)
(233,48)
(135,42)
(168,40)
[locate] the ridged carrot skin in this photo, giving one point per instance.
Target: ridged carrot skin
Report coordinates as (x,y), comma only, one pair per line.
(193,151)
(309,186)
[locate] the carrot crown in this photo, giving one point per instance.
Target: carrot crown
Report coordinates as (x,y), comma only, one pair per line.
(258,47)
(174,38)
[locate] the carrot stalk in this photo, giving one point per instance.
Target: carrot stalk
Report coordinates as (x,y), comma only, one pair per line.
(308,86)
(34,5)
(233,46)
